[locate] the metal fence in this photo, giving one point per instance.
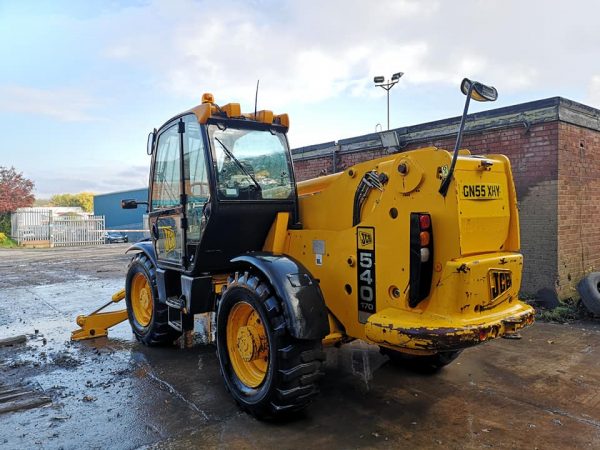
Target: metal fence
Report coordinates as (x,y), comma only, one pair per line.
(74,231)
(40,226)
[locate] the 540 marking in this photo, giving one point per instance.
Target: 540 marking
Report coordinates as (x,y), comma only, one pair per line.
(365,251)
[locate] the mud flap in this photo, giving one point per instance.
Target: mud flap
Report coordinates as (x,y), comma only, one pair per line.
(304,307)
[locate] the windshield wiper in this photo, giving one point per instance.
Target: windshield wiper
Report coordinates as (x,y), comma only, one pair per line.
(238,163)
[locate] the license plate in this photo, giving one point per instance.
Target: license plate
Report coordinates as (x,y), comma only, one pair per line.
(500,282)
(480,191)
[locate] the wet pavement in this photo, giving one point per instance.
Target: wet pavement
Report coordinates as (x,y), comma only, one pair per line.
(537,392)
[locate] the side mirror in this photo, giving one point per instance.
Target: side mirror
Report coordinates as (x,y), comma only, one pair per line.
(479,91)
(476,91)
(150,142)
(129,204)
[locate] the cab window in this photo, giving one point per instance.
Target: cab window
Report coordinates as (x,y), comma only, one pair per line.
(251,164)
(165,186)
(196,177)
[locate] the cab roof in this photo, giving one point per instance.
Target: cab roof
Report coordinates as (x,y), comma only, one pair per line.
(209,109)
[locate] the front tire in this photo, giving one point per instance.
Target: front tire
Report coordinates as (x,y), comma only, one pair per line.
(147,316)
(267,371)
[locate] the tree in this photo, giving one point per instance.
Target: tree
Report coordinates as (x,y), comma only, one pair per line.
(15,192)
(41,202)
(85,200)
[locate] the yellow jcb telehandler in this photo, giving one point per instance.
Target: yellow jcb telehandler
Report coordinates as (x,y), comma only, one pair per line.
(417,252)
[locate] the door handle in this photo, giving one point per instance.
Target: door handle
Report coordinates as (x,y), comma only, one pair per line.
(155,233)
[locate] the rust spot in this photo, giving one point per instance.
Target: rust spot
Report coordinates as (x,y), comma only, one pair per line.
(492,305)
(463,268)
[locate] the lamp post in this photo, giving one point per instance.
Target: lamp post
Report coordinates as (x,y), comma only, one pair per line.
(380,81)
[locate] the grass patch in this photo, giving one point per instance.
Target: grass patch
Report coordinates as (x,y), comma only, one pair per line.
(568,311)
(6,242)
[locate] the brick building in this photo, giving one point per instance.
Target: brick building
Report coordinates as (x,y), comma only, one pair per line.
(552,145)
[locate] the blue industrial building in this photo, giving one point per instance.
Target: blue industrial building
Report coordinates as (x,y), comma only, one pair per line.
(109,206)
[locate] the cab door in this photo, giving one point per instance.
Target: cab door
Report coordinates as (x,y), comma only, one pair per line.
(167,211)
(196,185)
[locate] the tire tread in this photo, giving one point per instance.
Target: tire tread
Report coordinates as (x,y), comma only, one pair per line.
(589,292)
(298,361)
(160,332)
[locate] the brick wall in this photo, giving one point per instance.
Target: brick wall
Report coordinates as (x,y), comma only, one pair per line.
(534,159)
(533,155)
(312,168)
(578,205)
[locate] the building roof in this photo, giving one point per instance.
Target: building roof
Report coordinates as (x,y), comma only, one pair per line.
(523,114)
(55,209)
(145,188)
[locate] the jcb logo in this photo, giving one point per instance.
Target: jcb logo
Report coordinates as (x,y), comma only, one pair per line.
(170,241)
(500,282)
(365,238)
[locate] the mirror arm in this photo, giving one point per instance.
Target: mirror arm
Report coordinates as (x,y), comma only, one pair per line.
(132,204)
(446,182)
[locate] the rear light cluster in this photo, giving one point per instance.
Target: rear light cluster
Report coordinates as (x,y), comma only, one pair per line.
(421,257)
(425,236)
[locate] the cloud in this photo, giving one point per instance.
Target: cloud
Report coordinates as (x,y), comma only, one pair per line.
(301,53)
(311,51)
(104,179)
(594,91)
(64,104)
(137,63)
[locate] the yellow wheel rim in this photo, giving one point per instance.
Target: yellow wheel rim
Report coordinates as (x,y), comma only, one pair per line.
(247,344)
(141,299)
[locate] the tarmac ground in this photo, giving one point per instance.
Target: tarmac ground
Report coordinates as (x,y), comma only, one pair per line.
(541,391)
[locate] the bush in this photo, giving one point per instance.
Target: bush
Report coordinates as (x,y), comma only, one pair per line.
(568,311)
(5,224)
(6,242)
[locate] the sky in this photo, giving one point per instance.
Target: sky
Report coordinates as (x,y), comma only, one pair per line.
(83,82)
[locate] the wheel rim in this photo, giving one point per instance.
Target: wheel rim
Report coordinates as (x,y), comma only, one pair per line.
(247,344)
(141,299)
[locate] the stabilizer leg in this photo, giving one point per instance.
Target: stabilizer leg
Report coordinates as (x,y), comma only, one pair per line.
(97,323)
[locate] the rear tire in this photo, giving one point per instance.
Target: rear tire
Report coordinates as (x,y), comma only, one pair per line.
(421,363)
(147,316)
(271,374)
(589,290)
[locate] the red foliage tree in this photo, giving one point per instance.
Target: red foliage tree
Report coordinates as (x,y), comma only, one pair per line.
(15,190)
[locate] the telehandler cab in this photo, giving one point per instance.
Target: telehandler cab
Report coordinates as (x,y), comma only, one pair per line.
(416,252)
